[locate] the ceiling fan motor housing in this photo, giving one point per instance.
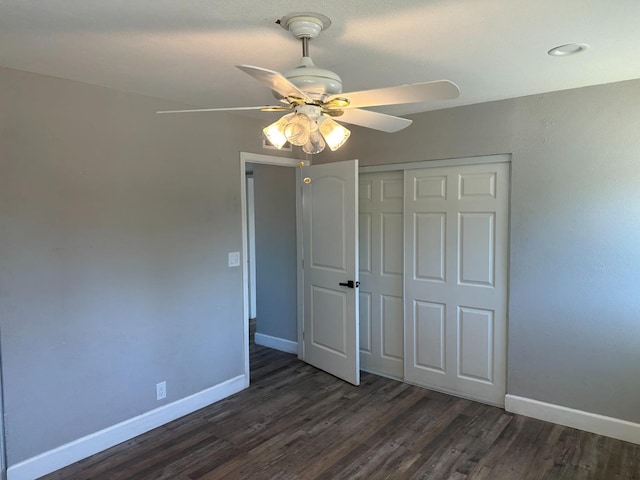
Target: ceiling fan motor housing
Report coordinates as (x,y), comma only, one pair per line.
(318,83)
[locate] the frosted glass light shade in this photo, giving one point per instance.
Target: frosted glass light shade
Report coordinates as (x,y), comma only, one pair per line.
(298,129)
(315,144)
(275,131)
(334,134)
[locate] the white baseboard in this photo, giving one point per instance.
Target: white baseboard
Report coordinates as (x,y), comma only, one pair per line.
(589,422)
(84,447)
(276,343)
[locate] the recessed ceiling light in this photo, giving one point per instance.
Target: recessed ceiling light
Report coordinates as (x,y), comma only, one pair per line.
(568,49)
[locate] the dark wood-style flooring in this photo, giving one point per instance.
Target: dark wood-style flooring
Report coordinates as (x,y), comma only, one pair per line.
(296,422)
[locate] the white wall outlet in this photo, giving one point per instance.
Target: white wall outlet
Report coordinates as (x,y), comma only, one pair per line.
(234,259)
(161,390)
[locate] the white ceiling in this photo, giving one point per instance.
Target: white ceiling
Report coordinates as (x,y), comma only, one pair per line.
(185,50)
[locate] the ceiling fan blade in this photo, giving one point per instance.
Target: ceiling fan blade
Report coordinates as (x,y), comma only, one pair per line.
(275,81)
(375,120)
(412,93)
(264,108)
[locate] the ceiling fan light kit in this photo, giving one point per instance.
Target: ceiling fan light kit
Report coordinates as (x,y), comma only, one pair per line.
(307,128)
(312,97)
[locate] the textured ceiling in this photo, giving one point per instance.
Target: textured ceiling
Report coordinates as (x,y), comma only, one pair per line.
(185,50)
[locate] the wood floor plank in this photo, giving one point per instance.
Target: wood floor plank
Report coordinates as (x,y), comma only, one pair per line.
(345,437)
(296,422)
(545,457)
(629,462)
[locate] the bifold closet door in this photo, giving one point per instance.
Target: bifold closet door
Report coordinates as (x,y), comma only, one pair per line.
(381,198)
(455,285)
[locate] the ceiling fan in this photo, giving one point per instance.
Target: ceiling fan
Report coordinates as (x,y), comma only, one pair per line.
(313,97)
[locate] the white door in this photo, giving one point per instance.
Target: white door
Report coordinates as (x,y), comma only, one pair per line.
(456,232)
(380,197)
(329,209)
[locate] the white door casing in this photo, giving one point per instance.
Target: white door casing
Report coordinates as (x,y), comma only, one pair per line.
(330,251)
(381,247)
(456,244)
(251,252)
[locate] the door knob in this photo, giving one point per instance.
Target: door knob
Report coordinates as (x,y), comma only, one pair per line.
(350,284)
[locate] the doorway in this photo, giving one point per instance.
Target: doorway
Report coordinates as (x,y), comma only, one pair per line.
(275,243)
(325,207)
(276,257)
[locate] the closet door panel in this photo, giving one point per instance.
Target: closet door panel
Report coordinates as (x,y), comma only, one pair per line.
(381,272)
(455,285)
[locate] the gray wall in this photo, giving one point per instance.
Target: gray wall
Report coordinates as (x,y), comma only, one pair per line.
(115,226)
(275,209)
(574,310)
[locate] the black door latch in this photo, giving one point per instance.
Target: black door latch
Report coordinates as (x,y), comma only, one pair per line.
(350,284)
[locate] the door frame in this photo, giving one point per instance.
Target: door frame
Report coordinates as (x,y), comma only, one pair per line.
(247,157)
(3,451)
(251,250)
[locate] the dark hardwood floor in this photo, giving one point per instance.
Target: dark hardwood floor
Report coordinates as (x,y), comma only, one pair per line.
(296,422)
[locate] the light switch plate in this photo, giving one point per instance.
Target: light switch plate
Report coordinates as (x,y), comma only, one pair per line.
(234,259)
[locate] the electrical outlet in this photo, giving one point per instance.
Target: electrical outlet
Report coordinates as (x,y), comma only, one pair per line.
(234,259)
(161,390)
